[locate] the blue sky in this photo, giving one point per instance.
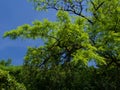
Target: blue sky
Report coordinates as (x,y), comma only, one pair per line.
(14,13)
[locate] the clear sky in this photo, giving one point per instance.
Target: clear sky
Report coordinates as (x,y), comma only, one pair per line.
(14,13)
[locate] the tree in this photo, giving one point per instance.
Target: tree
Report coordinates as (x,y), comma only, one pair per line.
(10,76)
(91,34)
(7,82)
(103,18)
(5,63)
(65,41)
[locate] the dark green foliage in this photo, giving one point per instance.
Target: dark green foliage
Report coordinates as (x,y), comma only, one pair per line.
(7,82)
(5,62)
(72,77)
(10,76)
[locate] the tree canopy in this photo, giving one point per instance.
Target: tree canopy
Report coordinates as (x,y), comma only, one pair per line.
(7,82)
(65,41)
(85,31)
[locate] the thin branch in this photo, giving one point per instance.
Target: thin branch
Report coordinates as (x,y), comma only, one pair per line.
(99,5)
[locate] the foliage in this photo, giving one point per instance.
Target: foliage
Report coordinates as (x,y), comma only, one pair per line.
(103,26)
(5,62)
(10,76)
(70,43)
(7,82)
(65,40)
